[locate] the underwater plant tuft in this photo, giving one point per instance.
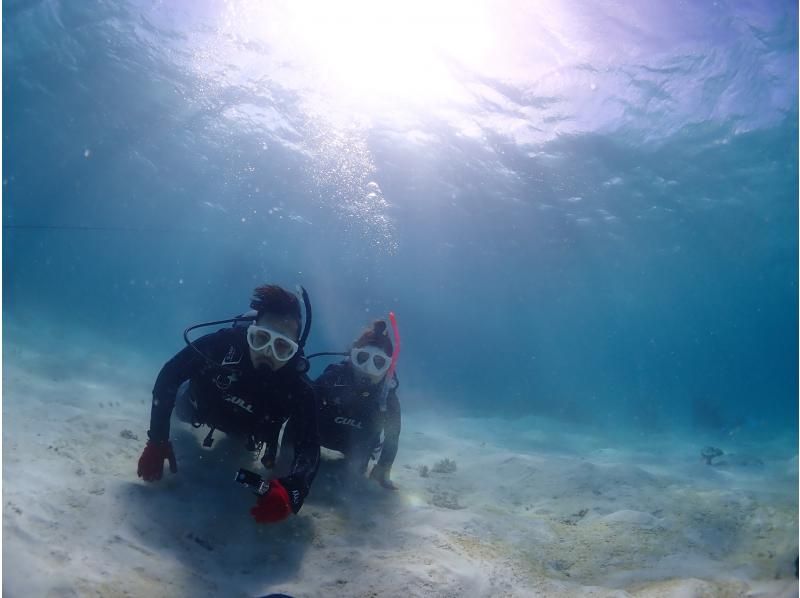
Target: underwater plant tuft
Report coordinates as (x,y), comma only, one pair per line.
(444,466)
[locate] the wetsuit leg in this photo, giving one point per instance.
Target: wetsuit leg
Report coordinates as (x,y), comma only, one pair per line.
(186,409)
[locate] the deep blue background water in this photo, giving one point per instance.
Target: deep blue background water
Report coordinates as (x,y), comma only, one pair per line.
(614,241)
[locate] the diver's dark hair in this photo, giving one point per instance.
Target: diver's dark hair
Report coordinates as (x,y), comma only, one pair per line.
(377,336)
(274,300)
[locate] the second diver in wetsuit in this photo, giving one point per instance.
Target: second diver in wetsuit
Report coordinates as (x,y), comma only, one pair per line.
(358,412)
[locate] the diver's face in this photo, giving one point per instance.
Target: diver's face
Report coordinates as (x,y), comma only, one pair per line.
(285,326)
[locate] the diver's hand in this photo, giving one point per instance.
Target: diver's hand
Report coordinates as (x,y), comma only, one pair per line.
(380,474)
(151,463)
(272,506)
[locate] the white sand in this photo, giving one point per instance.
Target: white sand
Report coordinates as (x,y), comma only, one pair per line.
(568,516)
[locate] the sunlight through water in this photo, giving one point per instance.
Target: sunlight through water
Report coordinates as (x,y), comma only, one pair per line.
(371,56)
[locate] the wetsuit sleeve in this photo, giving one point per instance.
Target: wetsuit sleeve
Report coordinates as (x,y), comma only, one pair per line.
(391,431)
(183,366)
(306,447)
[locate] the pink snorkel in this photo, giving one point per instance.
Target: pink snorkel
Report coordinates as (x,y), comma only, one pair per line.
(393,364)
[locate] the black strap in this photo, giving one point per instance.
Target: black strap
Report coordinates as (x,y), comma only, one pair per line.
(209,439)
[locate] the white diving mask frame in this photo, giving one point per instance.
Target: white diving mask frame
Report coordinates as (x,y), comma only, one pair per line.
(261,339)
(370,360)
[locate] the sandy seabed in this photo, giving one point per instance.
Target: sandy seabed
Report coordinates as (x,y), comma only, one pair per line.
(532,509)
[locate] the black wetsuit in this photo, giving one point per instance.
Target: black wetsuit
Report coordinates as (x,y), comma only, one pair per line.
(351,420)
(242,401)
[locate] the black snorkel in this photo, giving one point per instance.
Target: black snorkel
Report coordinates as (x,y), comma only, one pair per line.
(308,317)
(302,365)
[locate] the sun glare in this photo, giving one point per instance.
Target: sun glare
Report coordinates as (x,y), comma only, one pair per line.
(371,53)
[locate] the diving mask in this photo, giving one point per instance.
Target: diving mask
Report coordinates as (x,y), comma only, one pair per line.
(261,338)
(370,360)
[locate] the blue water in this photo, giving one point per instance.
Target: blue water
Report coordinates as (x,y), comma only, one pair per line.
(594,220)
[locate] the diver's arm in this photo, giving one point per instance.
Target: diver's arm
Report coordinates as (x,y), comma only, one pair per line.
(184,365)
(306,448)
(391,431)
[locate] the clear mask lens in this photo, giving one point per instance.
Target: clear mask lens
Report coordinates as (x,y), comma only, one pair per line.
(283,349)
(259,339)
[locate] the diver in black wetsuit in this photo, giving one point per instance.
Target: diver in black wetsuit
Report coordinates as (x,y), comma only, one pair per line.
(246,382)
(357,403)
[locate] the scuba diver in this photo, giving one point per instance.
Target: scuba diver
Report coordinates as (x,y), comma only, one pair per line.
(357,402)
(246,381)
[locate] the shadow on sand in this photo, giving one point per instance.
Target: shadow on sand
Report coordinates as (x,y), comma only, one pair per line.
(201,518)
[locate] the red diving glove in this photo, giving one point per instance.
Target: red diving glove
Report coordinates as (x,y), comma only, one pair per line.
(151,463)
(272,506)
